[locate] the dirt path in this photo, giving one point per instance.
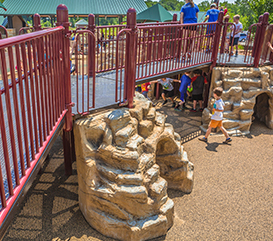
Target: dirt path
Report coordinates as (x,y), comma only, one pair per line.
(232,197)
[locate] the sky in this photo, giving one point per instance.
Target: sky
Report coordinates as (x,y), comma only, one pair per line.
(199,1)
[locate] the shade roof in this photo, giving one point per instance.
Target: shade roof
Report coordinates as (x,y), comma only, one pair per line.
(75,7)
(81,22)
(154,14)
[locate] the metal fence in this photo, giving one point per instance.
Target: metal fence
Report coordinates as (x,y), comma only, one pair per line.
(33,106)
(36,90)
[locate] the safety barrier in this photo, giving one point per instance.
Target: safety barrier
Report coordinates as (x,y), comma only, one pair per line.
(33,106)
(36,90)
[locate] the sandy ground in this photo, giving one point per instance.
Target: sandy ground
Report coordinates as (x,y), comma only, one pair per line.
(232,198)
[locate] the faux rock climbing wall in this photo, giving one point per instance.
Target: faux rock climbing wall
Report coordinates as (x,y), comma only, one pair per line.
(126,160)
(246,91)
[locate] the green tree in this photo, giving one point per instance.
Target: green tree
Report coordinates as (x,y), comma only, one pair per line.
(259,7)
(204,6)
(172,5)
(150,3)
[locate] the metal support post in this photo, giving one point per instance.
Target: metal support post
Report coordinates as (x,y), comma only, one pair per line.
(261,37)
(37,22)
(130,63)
(68,145)
(91,27)
(217,39)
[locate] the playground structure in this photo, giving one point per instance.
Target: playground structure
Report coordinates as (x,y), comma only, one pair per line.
(248,93)
(37,93)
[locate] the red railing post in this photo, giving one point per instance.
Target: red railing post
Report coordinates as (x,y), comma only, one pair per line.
(260,40)
(175,17)
(37,22)
(222,48)
(257,37)
(130,63)
(68,145)
(91,27)
(271,36)
(216,40)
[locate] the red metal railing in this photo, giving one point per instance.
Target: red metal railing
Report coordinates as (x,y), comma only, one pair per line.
(5,30)
(31,105)
(36,89)
(35,98)
(267,54)
(255,51)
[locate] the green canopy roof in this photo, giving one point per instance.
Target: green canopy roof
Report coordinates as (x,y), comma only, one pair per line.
(75,7)
(156,13)
(81,22)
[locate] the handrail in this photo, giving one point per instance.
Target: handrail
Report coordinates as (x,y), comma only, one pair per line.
(4,43)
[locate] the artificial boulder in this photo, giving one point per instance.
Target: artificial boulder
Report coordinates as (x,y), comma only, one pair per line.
(126,160)
(247,92)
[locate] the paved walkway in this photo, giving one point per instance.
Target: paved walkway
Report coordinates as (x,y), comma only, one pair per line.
(232,197)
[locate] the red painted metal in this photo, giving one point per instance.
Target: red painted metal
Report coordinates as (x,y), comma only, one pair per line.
(258,51)
(64,50)
(17,190)
(217,39)
(25,30)
(5,30)
(270,34)
(130,66)
(41,89)
(85,105)
(37,22)
(31,59)
(175,17)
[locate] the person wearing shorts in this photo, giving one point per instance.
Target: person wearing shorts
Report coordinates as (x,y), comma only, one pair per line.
(238,29)
(217,116)
(197,84)
(168,90)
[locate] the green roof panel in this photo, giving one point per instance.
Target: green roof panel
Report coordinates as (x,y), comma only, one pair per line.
(154,14)
(79,7)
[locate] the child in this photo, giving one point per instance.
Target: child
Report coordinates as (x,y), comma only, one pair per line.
(197,83)
(168,90)
(238,29)
(145,89)
(185,82)
(217,116)
(138,88)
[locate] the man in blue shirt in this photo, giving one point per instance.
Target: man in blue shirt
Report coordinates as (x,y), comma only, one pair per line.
(211,16)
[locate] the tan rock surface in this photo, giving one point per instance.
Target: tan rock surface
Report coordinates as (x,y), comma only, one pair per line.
(126,160)
(247,92)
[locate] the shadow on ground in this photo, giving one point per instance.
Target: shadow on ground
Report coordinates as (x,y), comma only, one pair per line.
(231,199)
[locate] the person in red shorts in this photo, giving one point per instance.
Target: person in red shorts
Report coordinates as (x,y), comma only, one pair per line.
(217,116)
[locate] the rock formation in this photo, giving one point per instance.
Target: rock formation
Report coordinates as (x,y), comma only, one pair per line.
(247,91)
(126,159)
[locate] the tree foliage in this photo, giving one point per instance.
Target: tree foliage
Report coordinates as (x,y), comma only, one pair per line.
(170,5)
(249,10)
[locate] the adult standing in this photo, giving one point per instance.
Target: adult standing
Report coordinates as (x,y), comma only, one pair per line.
(189,15)
(211,16)
(189,12)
